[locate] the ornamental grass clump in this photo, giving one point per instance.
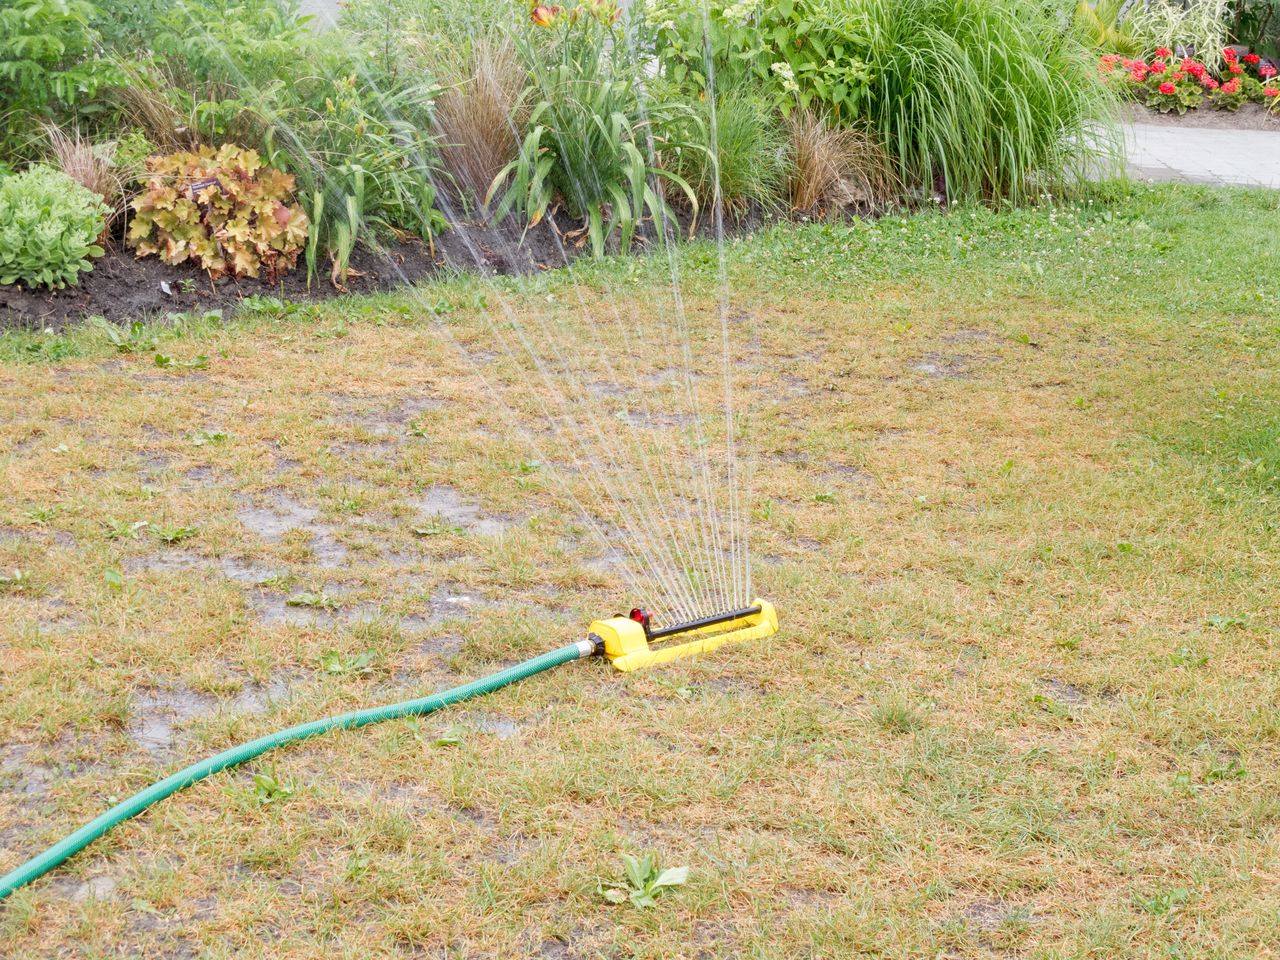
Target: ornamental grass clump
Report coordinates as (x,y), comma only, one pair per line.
(49,228)
(223,210)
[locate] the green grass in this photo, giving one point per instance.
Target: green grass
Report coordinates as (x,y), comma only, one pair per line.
(1010,509)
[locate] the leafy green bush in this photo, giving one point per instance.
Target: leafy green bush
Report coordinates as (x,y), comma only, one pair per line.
(221,209)
(789,49)
(49,227)
(49,69)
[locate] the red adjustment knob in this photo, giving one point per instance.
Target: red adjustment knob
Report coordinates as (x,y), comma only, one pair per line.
(640,616)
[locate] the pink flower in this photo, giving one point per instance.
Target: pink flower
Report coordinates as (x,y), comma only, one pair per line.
(1228,55)
(1167,88)
(1270,92)
(1163,52)
(1158,67)
(1267,70)
(1138,75)
(1236,68)
(1177,75)
(1209,83)
(1231,86)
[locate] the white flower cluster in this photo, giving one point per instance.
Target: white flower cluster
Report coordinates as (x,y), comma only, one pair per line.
(786,75)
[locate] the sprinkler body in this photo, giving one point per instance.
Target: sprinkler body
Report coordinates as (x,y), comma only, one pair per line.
(631,643)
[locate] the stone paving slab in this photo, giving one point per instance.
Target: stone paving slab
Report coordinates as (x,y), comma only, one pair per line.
(1248,158)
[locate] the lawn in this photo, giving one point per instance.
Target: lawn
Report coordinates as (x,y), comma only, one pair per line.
(1016,488)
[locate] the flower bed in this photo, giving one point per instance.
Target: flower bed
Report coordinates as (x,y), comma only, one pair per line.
(1170,84)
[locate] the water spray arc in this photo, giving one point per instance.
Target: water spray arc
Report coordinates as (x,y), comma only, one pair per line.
(629,643)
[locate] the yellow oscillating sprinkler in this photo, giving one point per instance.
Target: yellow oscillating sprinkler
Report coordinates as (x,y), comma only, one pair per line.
(632,643)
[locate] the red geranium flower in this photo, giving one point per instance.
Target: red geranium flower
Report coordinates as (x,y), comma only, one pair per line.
(1158,67)
(1167,88)
(1177,75)
(1251,58)
(1228,55)
(1195,69)
(1270,92)
(1163,52)
(1138,75)
(1236,68)
(1231,86)
(1210,83)
(1267,71)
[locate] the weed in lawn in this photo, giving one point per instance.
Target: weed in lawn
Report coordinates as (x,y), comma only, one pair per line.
(644,881)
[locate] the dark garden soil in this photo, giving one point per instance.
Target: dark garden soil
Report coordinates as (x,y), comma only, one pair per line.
(1250,116)
(122,287)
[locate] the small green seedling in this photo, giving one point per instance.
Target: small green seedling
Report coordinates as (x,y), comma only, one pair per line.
(645,882)
(203,438)
(450,738)
(113,579)
(42,515)
(316,601)
(1223,621)
(16,581)
(825,496)
(1232,769)
(124,530)
(172,535)
(436,527)
(268,788)
(340,664)
(1187,657)
(166,362)
(1164,903)
(134,338)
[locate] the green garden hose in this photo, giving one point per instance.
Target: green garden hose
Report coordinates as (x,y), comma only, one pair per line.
(73,844)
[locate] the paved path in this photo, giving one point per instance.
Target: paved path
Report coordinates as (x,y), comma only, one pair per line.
(1203,155)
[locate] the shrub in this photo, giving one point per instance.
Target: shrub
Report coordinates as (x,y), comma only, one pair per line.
(48,64)
(836,166)
(49,227)
(221,209)
(740,151)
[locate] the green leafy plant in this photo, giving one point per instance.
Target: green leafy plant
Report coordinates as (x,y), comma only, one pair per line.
(588,142)
(124,529)
(137,337)
(49,228)
(793,51)
(49,68)
(316,601)
(269,787)
(222,209)
(1103,23)
(340,664)
(15,581)
(166,362)
(644,881)
(172,535)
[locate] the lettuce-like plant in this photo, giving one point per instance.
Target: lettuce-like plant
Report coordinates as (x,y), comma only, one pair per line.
(49,227)
(222,209)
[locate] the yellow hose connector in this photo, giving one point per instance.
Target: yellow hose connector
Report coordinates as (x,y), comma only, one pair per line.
(630,646)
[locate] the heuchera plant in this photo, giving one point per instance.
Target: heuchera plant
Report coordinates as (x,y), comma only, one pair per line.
(222,209)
